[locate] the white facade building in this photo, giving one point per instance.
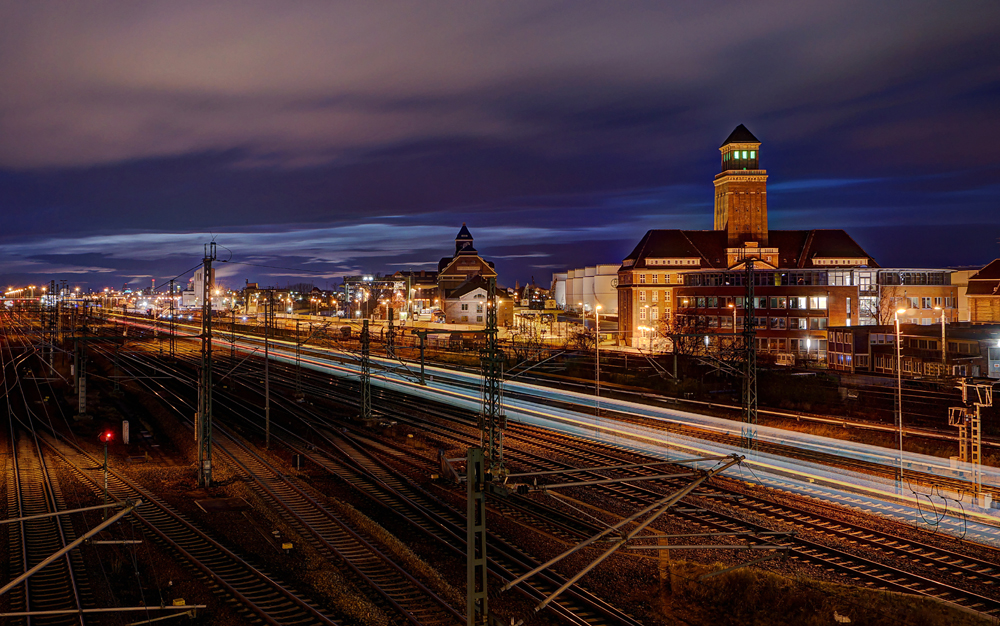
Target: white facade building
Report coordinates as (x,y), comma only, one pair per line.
(589,287)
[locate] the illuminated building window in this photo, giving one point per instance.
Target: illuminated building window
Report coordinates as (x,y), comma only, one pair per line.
(744,154)
(752,153)
(642,314)
(642,279)
(642,296)
(655,295)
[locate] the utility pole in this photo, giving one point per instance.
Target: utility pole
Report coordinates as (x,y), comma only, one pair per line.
(476,600)
(299,395)
(422,335)
(205,403)
(366,373)
(173,339)
(268,306)
(492,420)
(749,430)
(390,335)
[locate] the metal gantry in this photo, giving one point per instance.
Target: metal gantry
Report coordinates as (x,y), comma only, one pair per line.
(749,430)
(492,420)
(968,418)
(203,425)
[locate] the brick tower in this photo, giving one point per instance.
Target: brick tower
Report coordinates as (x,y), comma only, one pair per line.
(741,190)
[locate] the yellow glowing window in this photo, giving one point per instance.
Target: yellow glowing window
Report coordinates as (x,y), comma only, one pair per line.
(744,154)
(752,153)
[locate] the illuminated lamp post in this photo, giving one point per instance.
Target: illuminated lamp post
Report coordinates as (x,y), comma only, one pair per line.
(899,395)
(597,348)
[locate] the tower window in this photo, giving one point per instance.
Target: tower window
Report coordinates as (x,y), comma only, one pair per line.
(744,154)
(752,153)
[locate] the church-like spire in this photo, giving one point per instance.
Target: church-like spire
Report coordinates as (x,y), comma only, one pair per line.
(463,242)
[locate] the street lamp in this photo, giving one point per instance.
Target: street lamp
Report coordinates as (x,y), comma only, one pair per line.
(733,307)
(899,395)
(597,347)
(944,354)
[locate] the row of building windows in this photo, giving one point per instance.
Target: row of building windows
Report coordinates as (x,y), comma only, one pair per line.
(479,308)
(654,295)
(655,279)
(760,322)
(735,154)
(817,303)
(928,302)
(654,313)
(763,278)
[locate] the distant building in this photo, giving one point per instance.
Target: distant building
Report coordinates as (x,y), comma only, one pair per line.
(984,295)
(583,289)
(193,296)
(968,350)
(466,304)
(466,264)
(679,281)
(692,282)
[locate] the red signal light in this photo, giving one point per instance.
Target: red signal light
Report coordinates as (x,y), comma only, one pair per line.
(106,436)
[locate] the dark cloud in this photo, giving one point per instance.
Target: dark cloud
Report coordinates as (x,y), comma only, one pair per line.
(357,136)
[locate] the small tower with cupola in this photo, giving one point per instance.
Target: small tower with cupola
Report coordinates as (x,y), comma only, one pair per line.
(741,190)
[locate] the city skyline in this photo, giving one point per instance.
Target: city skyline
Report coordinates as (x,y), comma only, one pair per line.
(323,141)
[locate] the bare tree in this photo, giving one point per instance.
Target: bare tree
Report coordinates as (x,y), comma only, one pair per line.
(881,306)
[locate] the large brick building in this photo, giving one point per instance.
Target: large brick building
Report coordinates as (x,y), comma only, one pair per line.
(692,281)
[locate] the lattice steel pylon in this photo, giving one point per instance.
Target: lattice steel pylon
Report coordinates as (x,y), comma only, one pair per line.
(492,420)
(204,421)
(968,418)
(749,429)
(366,373)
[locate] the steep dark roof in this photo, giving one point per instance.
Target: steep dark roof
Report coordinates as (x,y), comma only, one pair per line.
(673,243)
(990,272)
(983,288)
(740,134)
(464,233)
(795,247)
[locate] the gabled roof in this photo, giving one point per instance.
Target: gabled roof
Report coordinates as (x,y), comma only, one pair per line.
(474,283)
(740,134)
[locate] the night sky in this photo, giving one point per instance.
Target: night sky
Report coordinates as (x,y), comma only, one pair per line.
(318,139)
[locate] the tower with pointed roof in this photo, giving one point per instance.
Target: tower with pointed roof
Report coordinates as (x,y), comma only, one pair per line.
(463,241)
(741,190)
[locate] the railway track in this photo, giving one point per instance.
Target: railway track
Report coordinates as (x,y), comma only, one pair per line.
(442,522)
(32,489)
(937,570)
